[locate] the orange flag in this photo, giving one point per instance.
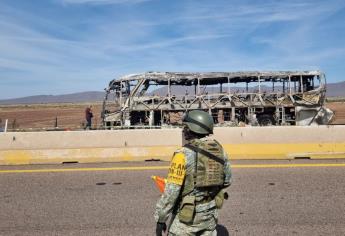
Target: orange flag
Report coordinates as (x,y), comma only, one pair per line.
(160,182)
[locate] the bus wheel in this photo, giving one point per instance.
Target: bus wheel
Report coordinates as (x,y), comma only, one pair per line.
(266,120)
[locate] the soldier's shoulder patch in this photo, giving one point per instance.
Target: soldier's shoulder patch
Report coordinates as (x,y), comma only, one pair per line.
(177,170)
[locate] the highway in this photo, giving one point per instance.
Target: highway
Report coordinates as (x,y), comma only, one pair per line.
(297,197)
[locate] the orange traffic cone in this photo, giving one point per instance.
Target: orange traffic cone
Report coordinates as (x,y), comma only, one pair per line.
(160,182)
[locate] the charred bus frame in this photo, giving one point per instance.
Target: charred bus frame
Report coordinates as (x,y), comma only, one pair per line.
(232,98)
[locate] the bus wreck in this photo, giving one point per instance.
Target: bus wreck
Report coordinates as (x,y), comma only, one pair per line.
(159,99)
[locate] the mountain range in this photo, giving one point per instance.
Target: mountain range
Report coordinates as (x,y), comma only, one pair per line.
(333,90)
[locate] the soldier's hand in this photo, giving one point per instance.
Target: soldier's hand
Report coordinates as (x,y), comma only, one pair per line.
(160,228)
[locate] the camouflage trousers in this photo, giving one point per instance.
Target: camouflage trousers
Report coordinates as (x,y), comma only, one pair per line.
(204,224)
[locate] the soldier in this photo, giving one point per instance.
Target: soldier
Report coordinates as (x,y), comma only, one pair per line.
(198,174)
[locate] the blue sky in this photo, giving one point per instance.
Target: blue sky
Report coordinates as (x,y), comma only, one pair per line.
(67,46)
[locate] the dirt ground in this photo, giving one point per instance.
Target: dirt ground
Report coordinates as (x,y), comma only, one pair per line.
(72,116)
(45,116)
(339,112)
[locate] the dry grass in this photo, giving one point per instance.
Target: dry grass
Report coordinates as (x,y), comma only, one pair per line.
(339,112)
(43,116)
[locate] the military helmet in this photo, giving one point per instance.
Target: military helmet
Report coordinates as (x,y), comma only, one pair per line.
(199,122)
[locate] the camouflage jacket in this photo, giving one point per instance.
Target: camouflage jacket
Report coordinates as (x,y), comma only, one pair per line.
(169,201)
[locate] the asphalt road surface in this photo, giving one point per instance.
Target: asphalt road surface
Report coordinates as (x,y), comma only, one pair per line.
(300,197)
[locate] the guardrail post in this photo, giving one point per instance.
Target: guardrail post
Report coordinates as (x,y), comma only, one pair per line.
(6,122)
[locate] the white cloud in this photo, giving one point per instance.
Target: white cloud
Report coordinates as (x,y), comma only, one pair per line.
(209,36)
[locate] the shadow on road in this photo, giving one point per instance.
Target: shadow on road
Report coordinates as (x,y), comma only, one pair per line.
(222,231)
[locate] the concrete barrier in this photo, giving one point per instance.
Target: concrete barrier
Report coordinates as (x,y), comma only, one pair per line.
(87,146)
(314,142)
(138,145)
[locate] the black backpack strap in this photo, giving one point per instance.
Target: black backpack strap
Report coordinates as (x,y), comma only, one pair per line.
(205,153)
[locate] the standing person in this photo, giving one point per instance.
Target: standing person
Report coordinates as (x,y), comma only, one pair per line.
(198,174)
(88,117)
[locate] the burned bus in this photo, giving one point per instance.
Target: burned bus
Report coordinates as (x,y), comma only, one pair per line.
(159,99)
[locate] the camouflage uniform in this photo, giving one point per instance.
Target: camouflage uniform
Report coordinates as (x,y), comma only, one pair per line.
(206,214)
